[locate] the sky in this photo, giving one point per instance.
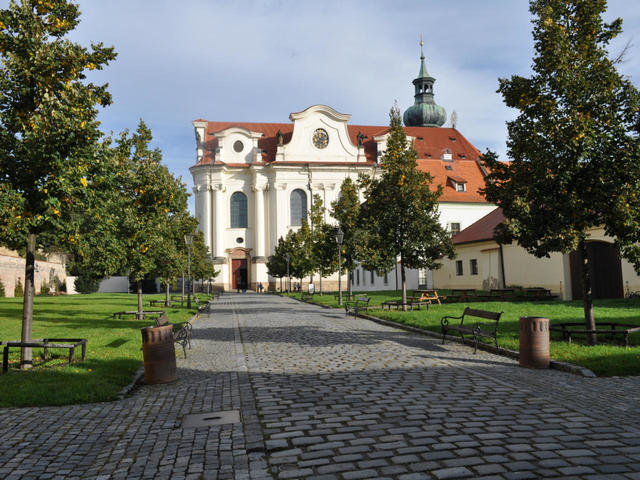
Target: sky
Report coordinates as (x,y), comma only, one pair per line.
(258,61)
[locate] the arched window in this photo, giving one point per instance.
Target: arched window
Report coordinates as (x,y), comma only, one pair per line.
(238,210)
(298,206)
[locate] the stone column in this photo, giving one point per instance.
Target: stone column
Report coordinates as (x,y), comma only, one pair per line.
(259,220)
(220,221)
(206,217)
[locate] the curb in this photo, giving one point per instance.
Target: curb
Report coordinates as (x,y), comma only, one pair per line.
(137,378)
(554,364)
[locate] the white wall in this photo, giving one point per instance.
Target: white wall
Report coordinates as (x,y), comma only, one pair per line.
(114,285)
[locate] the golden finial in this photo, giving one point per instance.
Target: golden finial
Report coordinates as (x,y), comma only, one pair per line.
(421,42)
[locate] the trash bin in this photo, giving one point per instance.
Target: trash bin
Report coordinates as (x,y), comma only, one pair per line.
(534,342)
(159,354)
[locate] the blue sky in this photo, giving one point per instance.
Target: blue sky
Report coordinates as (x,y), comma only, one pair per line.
(258,61)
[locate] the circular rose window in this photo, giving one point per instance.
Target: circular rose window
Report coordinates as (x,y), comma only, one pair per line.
(238,146)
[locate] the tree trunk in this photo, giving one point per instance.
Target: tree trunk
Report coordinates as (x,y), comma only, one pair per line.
(587,294)
(140,315)
(27,305)
(349,280)
(403,276)
(320,284)
(182,287)
(167,298)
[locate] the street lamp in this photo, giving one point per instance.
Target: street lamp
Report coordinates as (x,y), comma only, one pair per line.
(188,240)
(288,258)
(339,240)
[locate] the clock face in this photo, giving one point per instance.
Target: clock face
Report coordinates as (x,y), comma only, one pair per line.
(320,138)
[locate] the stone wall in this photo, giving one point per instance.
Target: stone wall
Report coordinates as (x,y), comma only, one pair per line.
(12,272)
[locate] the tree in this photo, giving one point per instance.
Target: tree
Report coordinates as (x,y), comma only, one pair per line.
(153,198)
(48,127)
(201,266)
(400,211)
(346,210)
(574,146)
(323,246)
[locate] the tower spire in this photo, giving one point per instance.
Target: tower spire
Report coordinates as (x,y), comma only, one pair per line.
(424,112)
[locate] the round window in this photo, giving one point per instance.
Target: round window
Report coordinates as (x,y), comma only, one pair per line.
(320,138)
(238,146)
(239,240)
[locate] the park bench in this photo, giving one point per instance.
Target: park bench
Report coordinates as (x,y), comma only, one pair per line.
(613,329)
(501,294)
(535,294)
(46,344)
(478,329)
(360,304)
(135,312)
(181,332)
(412,303)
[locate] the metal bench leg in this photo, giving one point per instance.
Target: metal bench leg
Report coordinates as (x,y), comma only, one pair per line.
(71,354)
(45,355)
(475,343)
(5,359)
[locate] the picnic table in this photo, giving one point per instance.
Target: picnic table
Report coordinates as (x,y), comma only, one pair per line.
(411,304)
(500,294)
(135,312)
(462,295)
(427,296)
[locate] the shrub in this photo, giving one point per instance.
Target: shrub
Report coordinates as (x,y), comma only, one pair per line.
(2,292)
(18,291)
(87,284)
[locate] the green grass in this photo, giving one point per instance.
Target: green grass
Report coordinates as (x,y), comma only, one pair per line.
(606,359)
(113,348)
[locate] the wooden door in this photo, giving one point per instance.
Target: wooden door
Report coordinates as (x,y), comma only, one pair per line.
(239,273)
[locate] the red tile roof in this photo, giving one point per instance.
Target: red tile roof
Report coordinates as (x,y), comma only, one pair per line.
(481,230)
(430,143)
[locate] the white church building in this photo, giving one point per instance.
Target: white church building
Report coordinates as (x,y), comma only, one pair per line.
(253,182)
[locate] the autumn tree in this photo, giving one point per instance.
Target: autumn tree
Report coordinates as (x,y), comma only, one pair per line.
(48,128)
(152,198)
(574,145)
(400,212)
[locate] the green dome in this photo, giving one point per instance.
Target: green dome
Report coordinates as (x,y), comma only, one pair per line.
(424,112)
(424,115)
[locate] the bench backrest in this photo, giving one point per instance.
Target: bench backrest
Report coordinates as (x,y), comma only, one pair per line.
(482,314)
(363,299)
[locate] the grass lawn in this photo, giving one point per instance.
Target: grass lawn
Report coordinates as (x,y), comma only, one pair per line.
(606,359)
(114,348)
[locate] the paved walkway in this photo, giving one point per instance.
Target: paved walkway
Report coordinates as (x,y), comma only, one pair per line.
(327,397)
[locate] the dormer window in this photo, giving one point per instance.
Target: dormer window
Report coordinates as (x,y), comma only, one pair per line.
(446,156)
(459,183)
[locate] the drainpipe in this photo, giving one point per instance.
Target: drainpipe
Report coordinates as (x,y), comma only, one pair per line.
(504,280)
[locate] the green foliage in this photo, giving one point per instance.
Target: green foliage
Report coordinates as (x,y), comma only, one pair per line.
(86,283)
(346,210)
(2,292)
(48,118)
(44,288)
(400,213)
(18,291)
(574,146)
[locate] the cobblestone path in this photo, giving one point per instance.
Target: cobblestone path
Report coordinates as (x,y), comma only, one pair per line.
(323,396)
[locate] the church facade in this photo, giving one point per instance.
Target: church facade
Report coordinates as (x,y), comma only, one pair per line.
(253,182)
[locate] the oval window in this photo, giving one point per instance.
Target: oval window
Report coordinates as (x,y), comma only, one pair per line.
(238,146)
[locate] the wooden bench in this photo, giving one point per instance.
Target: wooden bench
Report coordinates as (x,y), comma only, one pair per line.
(360,304)
(478,329)
(412,303)
(46,344)
(613,329)
(135,312)
(181,332)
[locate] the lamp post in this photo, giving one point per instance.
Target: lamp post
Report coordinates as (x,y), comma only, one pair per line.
(339,240)
(188,240)
(288,258)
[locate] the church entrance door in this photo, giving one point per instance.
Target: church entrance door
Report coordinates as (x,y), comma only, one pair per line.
(239,274)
